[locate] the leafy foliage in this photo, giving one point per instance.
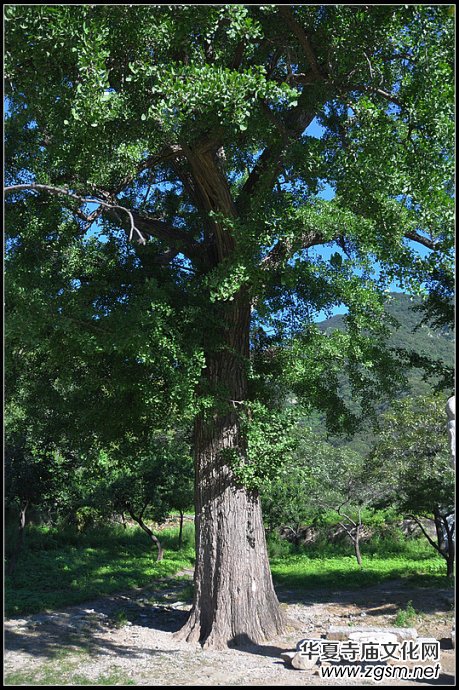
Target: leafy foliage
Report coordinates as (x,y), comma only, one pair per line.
(412,463)
(426,342)
(187,127)
(412,455)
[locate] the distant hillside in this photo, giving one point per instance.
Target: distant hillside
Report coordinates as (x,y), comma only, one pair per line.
(425,341)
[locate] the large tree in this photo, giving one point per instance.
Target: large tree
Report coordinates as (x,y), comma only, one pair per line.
(188,127)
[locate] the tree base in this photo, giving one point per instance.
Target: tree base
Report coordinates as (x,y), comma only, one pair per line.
(235,603)
(221,637)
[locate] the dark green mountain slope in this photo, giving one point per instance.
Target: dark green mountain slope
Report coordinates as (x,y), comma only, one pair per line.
(437,345)
(425,342)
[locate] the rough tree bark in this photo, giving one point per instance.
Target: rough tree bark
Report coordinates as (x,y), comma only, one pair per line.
(450,559)
(445,540)
(234,600)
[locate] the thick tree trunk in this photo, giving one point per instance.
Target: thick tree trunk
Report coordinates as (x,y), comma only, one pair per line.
(234,600)
(451,550)
(442,539)
(450,563)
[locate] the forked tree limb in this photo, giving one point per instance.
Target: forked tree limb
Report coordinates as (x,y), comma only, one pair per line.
(62,191)
(302,37)
(141,225)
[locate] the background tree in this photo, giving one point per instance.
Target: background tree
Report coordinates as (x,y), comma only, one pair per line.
(147,485)
(337,484)
(285,501)
(187,127)
(411,464)
(36,476)
(181,492)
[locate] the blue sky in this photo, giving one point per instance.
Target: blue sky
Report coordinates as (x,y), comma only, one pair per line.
(316,130)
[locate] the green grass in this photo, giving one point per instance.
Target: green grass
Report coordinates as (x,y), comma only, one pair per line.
(303,572)
(406,617)
(60,568)
(57,675)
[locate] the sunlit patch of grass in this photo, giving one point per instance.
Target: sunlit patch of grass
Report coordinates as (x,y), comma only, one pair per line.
(61,568)
(406,617)
(302,572)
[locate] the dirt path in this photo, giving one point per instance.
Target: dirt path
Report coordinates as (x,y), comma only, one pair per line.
(127,639)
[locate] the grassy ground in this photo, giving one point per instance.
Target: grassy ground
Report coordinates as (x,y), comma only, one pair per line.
(300,572)
(60,568)
(56,674)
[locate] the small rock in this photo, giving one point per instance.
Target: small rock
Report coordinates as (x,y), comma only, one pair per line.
(302,662)
(287,657)
(341,632)
(376,638)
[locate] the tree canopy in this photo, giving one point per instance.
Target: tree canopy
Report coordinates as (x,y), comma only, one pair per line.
(167,221)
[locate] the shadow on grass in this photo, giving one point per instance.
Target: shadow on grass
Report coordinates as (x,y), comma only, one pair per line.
(377,595)
(49,581)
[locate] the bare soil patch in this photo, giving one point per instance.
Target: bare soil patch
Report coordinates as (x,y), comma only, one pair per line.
(127,638)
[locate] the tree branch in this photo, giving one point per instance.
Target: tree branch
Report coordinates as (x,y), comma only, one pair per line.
(167,154)
(416,237)
(429,539)
(62,191)
(348,531)
(163,231)
(238,55)
(281,251)
(269,163)
(303,39)
(367,88)
(142,225)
